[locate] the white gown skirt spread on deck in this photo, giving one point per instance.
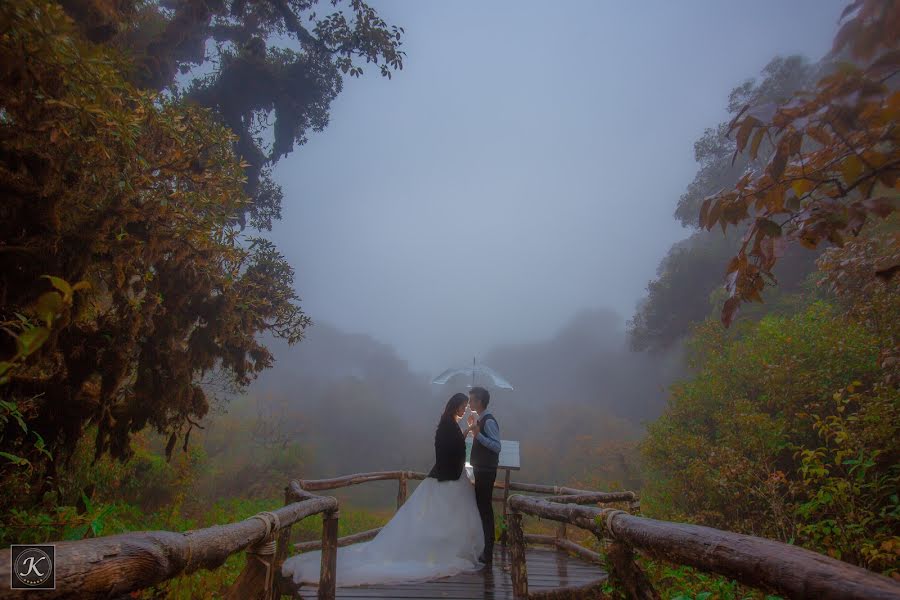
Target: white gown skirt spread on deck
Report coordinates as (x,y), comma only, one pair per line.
(436,533)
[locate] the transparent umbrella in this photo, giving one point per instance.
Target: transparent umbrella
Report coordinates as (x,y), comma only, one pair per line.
(473,371)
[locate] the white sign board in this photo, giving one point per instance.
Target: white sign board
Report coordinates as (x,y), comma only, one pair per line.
(509,454)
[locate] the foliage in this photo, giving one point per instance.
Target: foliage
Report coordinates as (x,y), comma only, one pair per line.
(846,272)
(787,431)
(692,270)
(836,160)
(149,492)
(270,96)
(51,308)
(678,582)
(715,150)
(849,485)
(135,195)
(65,523)
(688,281)
(789,427)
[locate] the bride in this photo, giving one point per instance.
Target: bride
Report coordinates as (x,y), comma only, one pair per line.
(436,533)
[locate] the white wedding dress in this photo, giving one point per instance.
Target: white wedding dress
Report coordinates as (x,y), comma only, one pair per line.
(436,533)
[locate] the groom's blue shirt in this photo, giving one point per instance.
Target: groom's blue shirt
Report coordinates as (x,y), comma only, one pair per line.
(490,434)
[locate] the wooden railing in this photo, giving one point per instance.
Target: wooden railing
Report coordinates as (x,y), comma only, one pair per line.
(766,564)
(116,565)
(112,566)
(562,494)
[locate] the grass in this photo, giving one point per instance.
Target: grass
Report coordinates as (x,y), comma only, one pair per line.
(212,584)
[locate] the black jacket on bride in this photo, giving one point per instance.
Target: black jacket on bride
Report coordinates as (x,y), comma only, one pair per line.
(449,451)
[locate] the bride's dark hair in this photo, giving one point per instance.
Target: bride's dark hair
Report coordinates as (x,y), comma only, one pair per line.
(453,405)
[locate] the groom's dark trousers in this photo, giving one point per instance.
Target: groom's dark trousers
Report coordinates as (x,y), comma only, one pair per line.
(484,462)
(484,491)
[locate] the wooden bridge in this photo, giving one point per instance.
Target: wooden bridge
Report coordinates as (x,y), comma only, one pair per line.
(114,566)
(549,571)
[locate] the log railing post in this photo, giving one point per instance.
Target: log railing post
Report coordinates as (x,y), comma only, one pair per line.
(504,535)
(625,572)
(560,532)
(518,568)
(281,546)
(257,580)
(634,506)
(401,490)
(328,573)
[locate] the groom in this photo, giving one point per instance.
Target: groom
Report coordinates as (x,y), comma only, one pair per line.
(485,458)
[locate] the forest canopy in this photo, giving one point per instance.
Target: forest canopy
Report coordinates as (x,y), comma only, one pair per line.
(835,160)
(268,69)
(127,281)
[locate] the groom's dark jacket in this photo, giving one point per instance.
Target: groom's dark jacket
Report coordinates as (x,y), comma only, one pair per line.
(449,451)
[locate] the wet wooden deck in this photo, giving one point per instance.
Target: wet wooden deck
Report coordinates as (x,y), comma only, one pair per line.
(547,570)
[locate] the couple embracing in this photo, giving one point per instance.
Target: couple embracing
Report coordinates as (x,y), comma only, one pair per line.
(447,524)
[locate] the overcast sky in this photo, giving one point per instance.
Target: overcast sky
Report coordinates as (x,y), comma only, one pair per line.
(524,165)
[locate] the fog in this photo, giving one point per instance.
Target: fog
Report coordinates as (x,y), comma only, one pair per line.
(508,195)
(523,166)
(579,402)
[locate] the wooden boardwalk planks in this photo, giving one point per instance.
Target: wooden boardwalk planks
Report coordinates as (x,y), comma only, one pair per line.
(547,570)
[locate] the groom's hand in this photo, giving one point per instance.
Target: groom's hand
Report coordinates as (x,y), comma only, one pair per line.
(471,420)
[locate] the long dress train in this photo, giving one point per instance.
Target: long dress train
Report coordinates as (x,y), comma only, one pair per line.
(436,533)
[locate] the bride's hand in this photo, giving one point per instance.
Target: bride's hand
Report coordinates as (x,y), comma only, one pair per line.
(471,420)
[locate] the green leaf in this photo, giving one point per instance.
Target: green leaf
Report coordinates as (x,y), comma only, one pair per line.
(48,306)
(31,339)
(41,445)
(97,523)
(17,460)
(78,533)
(60,284)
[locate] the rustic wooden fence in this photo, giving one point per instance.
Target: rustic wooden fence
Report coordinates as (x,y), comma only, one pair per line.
(403,478)
(113,566)
(766,564)
(116,565)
